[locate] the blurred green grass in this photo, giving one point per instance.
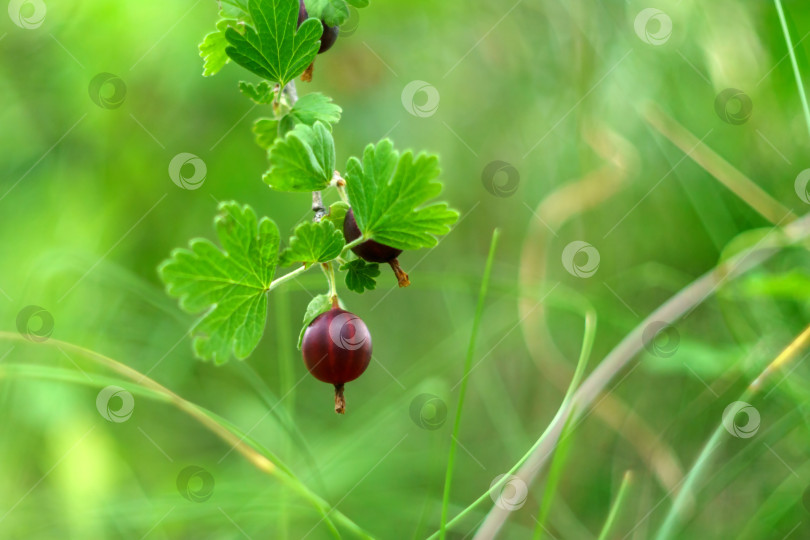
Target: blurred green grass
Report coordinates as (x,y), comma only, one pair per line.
(88,212)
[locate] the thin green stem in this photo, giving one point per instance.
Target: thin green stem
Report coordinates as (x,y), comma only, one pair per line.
(342,192)
(291,93)
(607,528)
(479,311)
(329,272)
(286,277)
(790,353)
(796,74)
(579,372)
(332,281)
(351,244)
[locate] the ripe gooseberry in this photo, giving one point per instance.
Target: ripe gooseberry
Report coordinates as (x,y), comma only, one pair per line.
(330,33)
(336,350)
(328,38)
(302,12)
(373,251)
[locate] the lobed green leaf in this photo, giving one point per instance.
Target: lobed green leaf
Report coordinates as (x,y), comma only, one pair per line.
(308,110)
(313,243)
(360,275)
(389,195)
(262,93)
(315,107)
(235,9)
(337,213)
(320,304)
(304,160)
(229,284)
(212,48)
(272,47)
(332,12)
(268,130)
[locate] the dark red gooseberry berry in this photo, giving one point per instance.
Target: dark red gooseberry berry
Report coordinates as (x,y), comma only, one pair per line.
(337,350)
(302,12)
(328,38)
(369,250)
(330,33)
(372,251)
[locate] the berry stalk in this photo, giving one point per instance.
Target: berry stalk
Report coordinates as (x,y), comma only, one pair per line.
(340,399)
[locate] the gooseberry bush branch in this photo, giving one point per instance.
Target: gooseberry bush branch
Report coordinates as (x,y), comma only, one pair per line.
(383,202)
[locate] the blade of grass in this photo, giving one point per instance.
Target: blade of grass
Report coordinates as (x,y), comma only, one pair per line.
(479,312)
(33,371)
(567,202)
(801,342)
(734,466)
(739,184)
(64,375)
(796,74)
(57,374)
(680,305)
(281,414)
(561,454)
(587,344)
(265,462)
(489,531)
(773,509)
(617,506)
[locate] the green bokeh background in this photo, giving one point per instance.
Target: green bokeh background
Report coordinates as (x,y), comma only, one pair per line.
(88,211)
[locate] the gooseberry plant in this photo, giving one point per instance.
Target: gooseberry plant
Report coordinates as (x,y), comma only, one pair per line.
(384,201)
